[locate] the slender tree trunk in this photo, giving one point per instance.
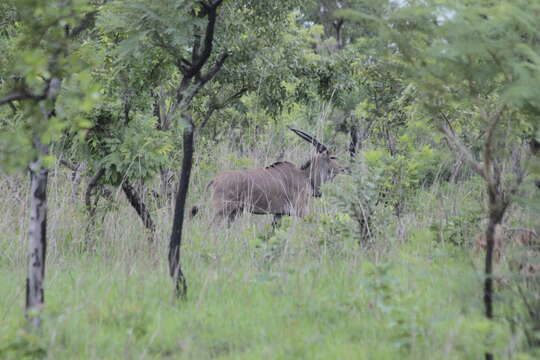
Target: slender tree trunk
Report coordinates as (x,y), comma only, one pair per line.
(488,276)
(497,205)
(91,207)
(488,281)
(175,268)
(37,243)
(496,213)
(276,221)
(338,25)
(140,207)
(354,140)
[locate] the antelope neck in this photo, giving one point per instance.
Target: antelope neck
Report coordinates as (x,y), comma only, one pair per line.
(306,169)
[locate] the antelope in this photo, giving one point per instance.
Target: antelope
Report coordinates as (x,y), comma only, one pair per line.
(279,189)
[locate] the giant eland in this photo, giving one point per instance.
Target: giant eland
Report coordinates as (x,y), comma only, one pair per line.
(279,189)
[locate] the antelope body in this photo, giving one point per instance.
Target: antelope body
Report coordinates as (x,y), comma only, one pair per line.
(279,189)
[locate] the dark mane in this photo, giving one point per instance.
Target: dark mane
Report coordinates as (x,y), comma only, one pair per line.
(306,165)
(279,163)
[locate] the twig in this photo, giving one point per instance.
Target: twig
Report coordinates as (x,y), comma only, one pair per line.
(458,145)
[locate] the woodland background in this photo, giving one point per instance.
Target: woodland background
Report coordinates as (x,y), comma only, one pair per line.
(110,108)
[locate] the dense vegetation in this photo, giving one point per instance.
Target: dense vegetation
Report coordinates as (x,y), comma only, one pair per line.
(115,115)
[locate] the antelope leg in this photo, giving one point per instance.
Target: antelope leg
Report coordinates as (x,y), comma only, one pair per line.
(276,221)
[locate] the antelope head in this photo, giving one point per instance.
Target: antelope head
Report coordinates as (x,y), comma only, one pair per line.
(323,166)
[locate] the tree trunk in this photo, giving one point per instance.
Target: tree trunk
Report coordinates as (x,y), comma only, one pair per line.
(91,208)
(37,243)
(140,207)
(338,25)
(488,281)
(354,140)
(496,213)
(175,268)
(497,205)
(488,273)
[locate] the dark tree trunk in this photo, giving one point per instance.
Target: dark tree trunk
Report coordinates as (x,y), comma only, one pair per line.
(497,205)
(192,81)
(497,209)
(488,280)
(175,268)
(91,207)
(276,221)
(498,198)
(354,141)
(140,207)
(338,26)
(37,243)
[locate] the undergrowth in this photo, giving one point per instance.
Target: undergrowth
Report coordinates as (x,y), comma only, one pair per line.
(308,290)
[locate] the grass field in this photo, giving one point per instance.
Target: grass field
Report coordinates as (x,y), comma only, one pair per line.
(304,292)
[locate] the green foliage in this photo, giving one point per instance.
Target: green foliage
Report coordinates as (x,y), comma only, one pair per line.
(475,73)
(136,152)
(459,230)
(306,289)
(39,49)
(358,196)
(411,167)
(22,345)
(334,230)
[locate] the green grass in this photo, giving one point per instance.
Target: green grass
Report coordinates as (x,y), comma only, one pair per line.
(300,295)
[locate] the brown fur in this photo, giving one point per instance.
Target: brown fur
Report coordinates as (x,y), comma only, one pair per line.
(280,189)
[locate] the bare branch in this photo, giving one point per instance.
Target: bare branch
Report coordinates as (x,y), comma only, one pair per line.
(13,107)
(520,169)
(87,22)
(185,62)
(181,63)
(207,117)
(459,146)
(217,106)
(216,3)
(443,115)
(137,201)
(91,185)
(493,179)
(212,72)
(196,47)
(17,96)
(70,166)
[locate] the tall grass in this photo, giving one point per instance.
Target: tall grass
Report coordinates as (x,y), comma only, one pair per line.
(299,293)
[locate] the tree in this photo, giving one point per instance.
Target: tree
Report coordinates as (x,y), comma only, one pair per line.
(43,59)
(182,37)
(476,66)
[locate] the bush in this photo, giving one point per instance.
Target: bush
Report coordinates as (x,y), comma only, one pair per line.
(357,199)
